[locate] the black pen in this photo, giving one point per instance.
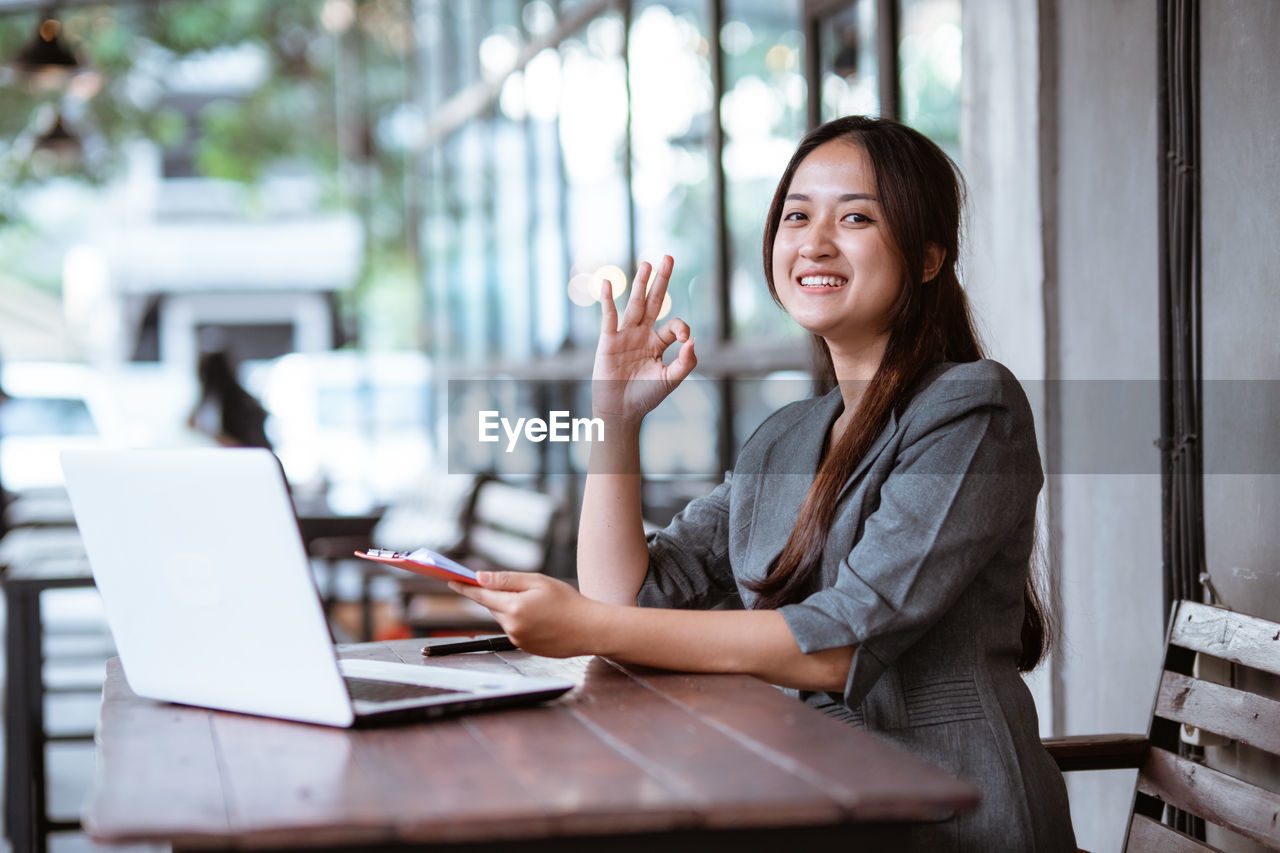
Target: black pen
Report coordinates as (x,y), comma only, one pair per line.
(496,643)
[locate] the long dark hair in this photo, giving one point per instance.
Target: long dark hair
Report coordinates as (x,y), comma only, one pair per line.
(241,417)
(921,195)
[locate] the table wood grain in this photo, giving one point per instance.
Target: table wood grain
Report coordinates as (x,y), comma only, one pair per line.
(632,753)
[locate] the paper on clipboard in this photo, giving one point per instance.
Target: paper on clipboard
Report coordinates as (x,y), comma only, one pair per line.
(423,561)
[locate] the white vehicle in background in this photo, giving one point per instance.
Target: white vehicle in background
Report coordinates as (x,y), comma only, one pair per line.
(49,407)
(354,425)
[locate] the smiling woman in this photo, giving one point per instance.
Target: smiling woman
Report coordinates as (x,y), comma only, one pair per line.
(870,552)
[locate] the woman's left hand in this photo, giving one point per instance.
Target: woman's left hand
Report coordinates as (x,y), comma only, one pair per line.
(540,614)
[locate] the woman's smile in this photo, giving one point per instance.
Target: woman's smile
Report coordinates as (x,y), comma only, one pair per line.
(821,281)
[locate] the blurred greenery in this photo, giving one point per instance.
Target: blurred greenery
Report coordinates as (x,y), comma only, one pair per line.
(299,117)
(132,47)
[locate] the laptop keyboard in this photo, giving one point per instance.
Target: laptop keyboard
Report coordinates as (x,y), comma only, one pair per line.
(373,690)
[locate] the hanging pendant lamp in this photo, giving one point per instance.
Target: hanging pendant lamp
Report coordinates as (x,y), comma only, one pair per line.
(45,59)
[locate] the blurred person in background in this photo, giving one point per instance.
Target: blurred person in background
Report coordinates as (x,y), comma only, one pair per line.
(226,411)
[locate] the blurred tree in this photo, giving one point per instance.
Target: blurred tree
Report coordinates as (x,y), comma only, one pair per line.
(134,49)
(331,72)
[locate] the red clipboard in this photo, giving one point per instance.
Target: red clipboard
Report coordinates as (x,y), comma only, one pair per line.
(422,562)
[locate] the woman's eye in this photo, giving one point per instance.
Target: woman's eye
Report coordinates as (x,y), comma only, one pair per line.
(859,218)
(793,216)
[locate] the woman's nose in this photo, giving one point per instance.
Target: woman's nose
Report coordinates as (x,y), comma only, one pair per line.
(818,242)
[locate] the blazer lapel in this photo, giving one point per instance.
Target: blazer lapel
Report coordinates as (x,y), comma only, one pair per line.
(882,440)
(788,471)
(793,461)
(877,447)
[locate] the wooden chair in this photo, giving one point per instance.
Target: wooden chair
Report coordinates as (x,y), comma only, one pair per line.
(505,527)
(35,559)
(1187,701)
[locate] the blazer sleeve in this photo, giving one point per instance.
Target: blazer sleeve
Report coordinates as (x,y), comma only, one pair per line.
(689,559)
(965,478)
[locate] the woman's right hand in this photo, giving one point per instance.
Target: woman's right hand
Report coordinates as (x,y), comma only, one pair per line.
(629,379)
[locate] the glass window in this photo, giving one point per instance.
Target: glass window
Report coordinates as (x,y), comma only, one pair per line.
(478,243)
(929,60)
(670,86)
(763,113)
(551,263)
(678,439)
(850,63)
(593,128)
(755,399)
(472,278)
(511,293)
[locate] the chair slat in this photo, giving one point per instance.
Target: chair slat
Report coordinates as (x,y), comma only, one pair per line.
(511,552)
(518,510)
(1233,636)
(1148,836)
(1237,714)
(1212,795)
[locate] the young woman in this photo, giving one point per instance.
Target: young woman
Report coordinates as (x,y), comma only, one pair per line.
(872,544)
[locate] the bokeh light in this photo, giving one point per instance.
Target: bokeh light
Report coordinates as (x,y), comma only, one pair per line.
(580,290)
(337,16)
(780,58)
(616,277)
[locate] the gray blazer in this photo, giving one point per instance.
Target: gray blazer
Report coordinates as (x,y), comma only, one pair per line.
(923,574)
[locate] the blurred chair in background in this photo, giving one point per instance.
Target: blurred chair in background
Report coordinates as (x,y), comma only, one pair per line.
(502,527)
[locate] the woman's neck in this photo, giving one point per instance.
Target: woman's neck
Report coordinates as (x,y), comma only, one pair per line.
(855,366)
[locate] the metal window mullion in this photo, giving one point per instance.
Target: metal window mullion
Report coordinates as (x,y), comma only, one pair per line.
(531,222)
(887,38)
(813,69)
(725,439)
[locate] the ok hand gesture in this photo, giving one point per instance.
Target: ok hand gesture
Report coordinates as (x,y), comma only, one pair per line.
(629,379)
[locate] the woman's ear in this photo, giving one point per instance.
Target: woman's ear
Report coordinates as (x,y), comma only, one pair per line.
(934,255)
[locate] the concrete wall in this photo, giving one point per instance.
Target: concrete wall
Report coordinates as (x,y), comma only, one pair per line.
(1105,326)
(1060,151)
(1240,146)
(1003,267)
(1240,140)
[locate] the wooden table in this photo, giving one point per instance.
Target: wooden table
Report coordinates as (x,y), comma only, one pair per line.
(653,760)
(330,538)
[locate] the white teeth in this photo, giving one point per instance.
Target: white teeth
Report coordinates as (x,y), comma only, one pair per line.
(822,281)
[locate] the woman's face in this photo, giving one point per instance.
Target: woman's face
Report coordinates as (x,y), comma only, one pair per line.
(834,267)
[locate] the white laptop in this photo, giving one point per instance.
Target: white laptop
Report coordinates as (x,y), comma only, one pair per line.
(211,599)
